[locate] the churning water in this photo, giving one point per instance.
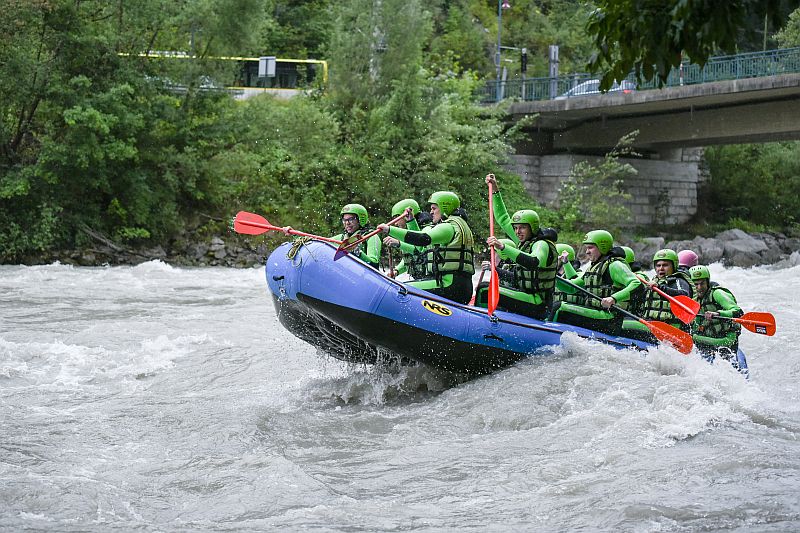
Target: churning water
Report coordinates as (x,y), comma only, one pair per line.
(166,399)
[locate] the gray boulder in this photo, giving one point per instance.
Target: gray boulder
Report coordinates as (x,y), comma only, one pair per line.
(742,259)
(644,249)
(750,245)
(732,235)
(709,250)
(791,245)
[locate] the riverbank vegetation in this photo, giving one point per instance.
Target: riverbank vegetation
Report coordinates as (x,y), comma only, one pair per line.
(96,140)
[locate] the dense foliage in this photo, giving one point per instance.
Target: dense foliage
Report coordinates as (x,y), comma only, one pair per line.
(652,37)
(759,183)
(92,135)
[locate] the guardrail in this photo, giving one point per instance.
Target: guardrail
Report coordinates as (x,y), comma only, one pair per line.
(718,68)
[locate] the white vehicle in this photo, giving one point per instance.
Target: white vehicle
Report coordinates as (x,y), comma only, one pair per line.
(593,87)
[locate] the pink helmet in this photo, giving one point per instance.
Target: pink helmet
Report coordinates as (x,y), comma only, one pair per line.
(687,258)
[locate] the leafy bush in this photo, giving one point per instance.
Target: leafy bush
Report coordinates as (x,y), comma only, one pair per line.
(593,197)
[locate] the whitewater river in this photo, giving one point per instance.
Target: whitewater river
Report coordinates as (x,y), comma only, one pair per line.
(167,399)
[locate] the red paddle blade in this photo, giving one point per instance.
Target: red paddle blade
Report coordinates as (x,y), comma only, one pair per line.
(761,323)
(684,308)
(680,340)
(494,294)
(250,224)
(342,250)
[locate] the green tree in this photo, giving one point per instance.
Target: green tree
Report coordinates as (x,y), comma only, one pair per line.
(594,195)
(789,35)
(650,37)
(756,182)
(92,137)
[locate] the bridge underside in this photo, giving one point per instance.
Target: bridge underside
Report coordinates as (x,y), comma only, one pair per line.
(729,112)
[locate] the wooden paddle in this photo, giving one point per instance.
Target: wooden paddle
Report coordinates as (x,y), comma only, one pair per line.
(252,224)
(680,340)
(761,323)
(683,307)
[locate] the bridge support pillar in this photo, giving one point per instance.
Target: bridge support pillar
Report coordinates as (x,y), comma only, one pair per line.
(663,192)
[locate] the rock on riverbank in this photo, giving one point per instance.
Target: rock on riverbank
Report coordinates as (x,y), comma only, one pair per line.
(732,247)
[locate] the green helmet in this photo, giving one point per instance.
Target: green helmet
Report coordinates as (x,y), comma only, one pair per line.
(600,238)
(700,272)
(446,200)
(402,205)
(526,216)
(356,209)
(561,248)
(667,255)
(629,255)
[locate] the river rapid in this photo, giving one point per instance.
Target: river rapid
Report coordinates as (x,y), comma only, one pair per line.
(169,399)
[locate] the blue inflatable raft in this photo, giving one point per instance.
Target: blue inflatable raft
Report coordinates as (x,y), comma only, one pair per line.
(353,312)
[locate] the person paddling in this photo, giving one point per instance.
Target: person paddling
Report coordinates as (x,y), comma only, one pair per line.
(413,258)
(713,336)
(669,280)
(607,276)
(448,249)
(528,261)
(355,221)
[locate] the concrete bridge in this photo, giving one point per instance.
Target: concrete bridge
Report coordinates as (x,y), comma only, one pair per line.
(740,111)
(747,98)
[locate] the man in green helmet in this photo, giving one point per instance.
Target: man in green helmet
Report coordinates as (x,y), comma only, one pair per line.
(528,261)
(355,220)
(413,258)
(449,249)
(608,277)
(711,333)
(670,280)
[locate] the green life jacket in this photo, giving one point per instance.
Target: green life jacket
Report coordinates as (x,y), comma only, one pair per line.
(597,280)
(362,246)
(541,280)
(714,328)
(656,307)
(456,256)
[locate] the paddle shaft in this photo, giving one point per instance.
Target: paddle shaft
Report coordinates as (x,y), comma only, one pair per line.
(353,244)
(596,297)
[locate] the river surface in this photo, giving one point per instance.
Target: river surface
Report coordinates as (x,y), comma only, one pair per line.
(155,398)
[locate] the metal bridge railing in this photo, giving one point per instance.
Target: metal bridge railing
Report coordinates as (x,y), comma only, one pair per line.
(718,68)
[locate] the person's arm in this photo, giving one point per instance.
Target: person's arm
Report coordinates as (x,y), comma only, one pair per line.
(727,303)
(502,217)
(373,253)
(622,276)
(571,274)
(438,234)
(400,267)
(530,261)
(407,248)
